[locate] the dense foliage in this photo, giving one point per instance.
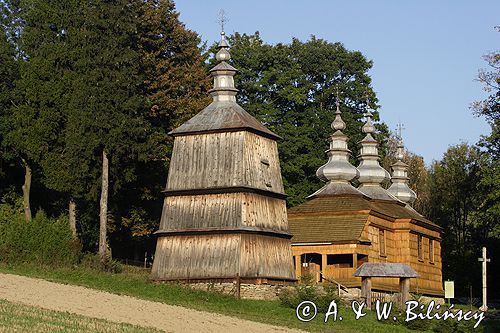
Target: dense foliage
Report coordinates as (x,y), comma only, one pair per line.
(292,88)
(44,241)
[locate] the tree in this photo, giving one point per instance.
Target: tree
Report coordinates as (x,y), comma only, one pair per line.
(107,103)
(454,201)
(175,86)
(292,88)
(8,74)
(41,89)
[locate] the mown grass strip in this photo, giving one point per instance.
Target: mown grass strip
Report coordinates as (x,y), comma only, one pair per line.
(24,318)
(137,284)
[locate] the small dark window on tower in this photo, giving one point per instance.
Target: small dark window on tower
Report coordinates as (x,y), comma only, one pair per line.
(381,241)
(266,172)
(420,248)
(431,250)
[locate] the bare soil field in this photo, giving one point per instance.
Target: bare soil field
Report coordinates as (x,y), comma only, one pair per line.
(122,309)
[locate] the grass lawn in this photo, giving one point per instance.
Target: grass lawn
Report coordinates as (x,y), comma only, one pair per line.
(134,282)
(23,318)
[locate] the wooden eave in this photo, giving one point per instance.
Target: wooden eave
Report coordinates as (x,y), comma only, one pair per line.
(220,117)
(221,190)
(212,231)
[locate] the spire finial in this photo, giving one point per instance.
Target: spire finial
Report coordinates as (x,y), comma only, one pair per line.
(399,130)
(368,127)
(223,72)
(371,174)
(338,124)
(338,169)
(222,20)
(399,187)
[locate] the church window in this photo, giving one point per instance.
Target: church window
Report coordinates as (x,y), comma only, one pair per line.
(420,248)
(381,241)
(431,250)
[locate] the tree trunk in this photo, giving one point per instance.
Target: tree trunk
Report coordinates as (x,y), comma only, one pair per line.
(72,217)
(103,216)
(26,190)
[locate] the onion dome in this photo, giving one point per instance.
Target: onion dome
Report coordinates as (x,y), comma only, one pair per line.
(371,173)
(338,171)
(399,187)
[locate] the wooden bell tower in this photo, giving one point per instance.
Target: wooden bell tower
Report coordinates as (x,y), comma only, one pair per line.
(224,213)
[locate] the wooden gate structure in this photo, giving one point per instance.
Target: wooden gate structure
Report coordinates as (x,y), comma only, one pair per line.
(387,270)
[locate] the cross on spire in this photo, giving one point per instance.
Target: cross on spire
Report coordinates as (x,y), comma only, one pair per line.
(222,19)
(399,130)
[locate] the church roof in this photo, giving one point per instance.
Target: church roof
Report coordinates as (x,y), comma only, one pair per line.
(327,228)
(223,117)
(342,218)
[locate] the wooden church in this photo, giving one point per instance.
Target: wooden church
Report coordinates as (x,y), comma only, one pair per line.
(224,214)
(340,227)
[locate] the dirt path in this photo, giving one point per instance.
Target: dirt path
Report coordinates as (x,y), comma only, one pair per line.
(124,309)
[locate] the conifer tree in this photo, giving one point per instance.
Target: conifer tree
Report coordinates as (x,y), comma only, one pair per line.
(8,74)
(107,124)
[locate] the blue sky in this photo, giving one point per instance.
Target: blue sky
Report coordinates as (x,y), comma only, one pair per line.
(426,54)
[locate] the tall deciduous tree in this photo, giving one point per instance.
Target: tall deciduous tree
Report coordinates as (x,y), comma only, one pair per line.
(175,87)
(454,187)
(292,88)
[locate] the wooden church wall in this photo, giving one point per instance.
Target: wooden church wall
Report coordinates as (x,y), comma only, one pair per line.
(402,246)
(214,160)
(228,210)
(197,257)
(223,160)
(222,256)
(266,256)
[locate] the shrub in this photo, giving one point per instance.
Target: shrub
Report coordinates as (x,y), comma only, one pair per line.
(44,241)
(306,290)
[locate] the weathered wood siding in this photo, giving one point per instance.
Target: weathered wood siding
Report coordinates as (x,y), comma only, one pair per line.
(220,256)
(217,235)
(263,256)
(224,160)
(196,257)
(228,210)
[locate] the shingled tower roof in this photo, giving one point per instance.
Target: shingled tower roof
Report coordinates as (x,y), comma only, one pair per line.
(223,114)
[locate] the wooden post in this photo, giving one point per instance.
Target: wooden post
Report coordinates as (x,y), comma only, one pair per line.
(354,260)
(72,217)
(366,291)
(298,266)
(103,214)
(404,289)
(238,285)
(485,260)
(323,266)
